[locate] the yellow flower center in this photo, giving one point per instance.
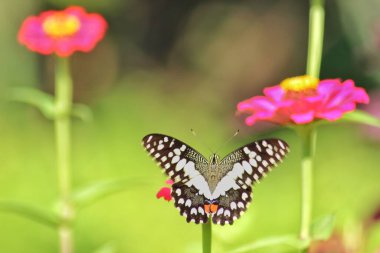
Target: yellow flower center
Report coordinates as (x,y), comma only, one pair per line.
(300,83)
(60,25)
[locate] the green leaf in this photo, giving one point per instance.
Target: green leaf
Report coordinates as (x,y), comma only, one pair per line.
(31,212)
(287,240)
(322,228)
(43,101)
(106,248)
(82,112)
(359,116)
(89,194)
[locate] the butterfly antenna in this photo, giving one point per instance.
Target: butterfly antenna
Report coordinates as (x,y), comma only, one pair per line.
(227,141)
(200,140)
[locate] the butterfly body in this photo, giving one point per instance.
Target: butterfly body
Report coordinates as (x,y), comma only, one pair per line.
(219,189)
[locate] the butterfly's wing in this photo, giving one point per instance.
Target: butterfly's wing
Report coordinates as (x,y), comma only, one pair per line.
(189,203)
(186,167)
(232,205)
(178,160)
(239,170)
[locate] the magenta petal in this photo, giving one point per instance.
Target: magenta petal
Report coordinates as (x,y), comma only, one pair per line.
(245,105)
(165,192)
(169,182)
(330,115)
(250,120)
(303,118)
(262,103)
(361,96)
(274,92)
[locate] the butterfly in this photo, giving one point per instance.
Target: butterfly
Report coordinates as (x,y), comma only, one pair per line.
(214,189)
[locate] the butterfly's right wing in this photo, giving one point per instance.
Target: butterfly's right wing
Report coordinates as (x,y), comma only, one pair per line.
(239,170)
(251,162)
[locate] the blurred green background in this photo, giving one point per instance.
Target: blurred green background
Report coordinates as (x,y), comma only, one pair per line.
(167,66)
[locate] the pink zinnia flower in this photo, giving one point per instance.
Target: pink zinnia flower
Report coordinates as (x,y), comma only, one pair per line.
(165,192)
(303,99)
(62,32)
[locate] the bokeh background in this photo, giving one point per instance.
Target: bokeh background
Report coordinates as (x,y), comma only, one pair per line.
(168,66)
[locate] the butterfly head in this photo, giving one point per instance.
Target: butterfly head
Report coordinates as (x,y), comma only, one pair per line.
(214,159)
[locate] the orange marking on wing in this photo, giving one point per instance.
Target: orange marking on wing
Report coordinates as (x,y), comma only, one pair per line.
(213,208)
(207,208)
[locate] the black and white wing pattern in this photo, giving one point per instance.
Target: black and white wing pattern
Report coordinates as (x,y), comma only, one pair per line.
(179,161)
(220,190)
(232,205)
(190,203)
(184,166)
(240,169)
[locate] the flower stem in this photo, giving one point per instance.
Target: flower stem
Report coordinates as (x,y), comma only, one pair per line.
(63,103)
(206,237)
(308,137)
(316,29)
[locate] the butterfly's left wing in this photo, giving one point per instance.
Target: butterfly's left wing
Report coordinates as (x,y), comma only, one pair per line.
(178,160)
(239,170)
(189,203)
(186,167)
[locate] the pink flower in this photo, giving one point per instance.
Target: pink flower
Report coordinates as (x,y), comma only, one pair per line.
(62,32)
(303,99)
(165,192)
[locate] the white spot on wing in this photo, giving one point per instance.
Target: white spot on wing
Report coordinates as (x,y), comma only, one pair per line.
(281,144)
(180,164)
(220,211)
(253,162)
(188,203)
(181,201)
(175,159)
(233,205)
(247,167)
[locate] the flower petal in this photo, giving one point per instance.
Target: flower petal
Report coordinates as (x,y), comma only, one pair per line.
(302,118)
(164,192)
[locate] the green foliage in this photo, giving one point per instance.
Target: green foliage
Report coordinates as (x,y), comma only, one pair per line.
(45,103)
(362,117)
(322,228)
(31,212)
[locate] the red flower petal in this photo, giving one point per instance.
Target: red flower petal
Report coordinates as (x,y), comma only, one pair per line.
(164,192)
(35,37)
(330,101)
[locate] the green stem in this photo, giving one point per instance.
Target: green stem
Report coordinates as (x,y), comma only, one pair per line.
(63,104)
(308,137)
(206,237)
(316,29)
